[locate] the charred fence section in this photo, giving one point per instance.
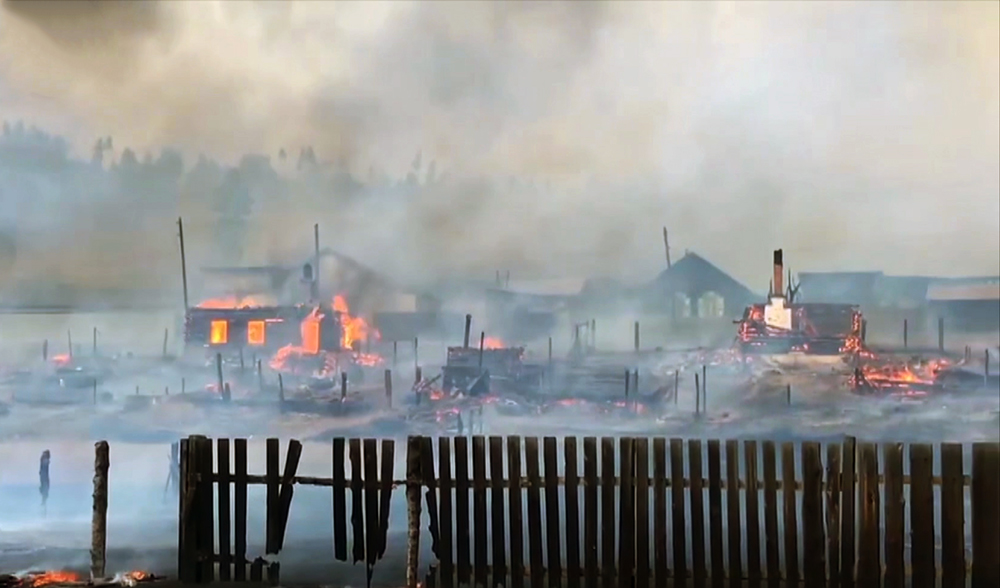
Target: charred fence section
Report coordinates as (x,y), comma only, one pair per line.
(621,511)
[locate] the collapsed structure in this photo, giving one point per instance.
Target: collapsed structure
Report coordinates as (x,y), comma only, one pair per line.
(783,326)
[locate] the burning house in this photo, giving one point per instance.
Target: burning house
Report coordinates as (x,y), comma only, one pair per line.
(782,326)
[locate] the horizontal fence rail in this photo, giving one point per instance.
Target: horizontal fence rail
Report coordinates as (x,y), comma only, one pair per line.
(620,511)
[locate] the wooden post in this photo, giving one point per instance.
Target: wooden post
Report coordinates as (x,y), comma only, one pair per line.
(281,389)
(906,333)
(166,337)
(697,394)
(636,336)
(704,383)
(45,350)
(69,341)
(94,348)
(343,385)
(550,351)
(413,483)
(183,385)
(260,376)
(43,479)
(388,387)
(99,522)
(482,342)
(677,385)
(986,367)
(218,370)
(242,365)
(416,356)
(788,394)
(627,377)
(635,382)
(940,333)
(227,394)
(184,275)
(593,333)
(418,375)
(468,327)
(394,353)
(864,330)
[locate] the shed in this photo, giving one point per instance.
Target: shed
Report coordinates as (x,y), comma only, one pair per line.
(694,287)
(969,304)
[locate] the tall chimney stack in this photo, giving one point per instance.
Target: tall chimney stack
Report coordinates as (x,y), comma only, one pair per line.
(779,271)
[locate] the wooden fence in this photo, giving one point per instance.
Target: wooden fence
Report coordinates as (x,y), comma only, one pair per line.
(654,511)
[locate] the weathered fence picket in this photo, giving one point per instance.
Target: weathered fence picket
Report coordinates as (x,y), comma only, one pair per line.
(640,511)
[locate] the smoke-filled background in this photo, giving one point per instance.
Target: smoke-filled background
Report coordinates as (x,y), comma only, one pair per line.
(434,139)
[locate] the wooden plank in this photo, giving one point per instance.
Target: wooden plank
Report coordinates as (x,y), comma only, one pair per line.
(357,500)
(339,502)
(225,559)
(895,518)
(572,500)
(869,553)
(833,452)
(497,523)
(386,478)
(734,519)
(273,481)
(715,539)
(590,511)
(286,491)
(463,559)
(552,527)
(240,509)
(985,515)
(922,550)
(480,530)
(753,512)
(430,492)
(771,513)
(952,516)
(206,513)
(790,529)
(608,510)
(185,525)
(534,510)
(370,448)
(813,533)
(848,510)
(660,544)
(699,570)
(641,480)
(626,508)
(446,552)
(514,473)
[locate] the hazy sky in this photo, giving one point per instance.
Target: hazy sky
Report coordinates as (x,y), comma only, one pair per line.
(854,135)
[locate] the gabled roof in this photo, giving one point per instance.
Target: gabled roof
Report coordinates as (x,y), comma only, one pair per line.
(693,274)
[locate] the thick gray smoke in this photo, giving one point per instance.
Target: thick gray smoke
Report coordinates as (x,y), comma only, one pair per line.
(854,135)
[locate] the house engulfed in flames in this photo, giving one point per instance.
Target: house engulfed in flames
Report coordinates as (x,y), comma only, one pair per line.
(233,323)
(783,326)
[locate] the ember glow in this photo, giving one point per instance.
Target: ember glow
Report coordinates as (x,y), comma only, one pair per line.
(353,328)
(493,343)
(230,302)
(61,360)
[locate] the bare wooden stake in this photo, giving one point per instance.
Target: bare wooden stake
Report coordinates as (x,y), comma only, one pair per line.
(413,483)
(99,523)
(45,350)
(94,349)
(218,369)
(69,341)
(166,337)
(388,387)
(343,385)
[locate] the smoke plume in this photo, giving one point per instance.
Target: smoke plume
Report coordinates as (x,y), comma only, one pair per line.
(853,135)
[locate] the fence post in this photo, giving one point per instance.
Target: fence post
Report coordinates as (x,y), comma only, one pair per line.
(413,482)
(99,523)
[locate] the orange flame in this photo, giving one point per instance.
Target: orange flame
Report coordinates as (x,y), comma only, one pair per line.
(61,359)
(52,577)
(493,343)
(353,328)
(230,302)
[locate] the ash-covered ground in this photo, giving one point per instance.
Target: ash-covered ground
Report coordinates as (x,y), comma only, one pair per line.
(585,398)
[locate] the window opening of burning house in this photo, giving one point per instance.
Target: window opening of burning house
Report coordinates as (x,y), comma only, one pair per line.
(256,333)
(219,332)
